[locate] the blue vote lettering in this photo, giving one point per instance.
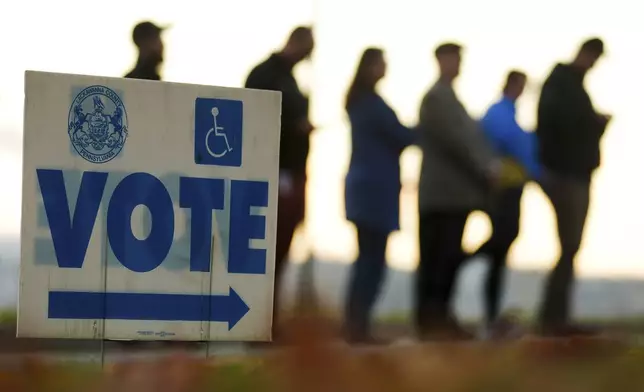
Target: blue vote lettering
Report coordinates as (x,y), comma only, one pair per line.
(140,255)
(71,236)
(244,227)
(201,195)
(71,230)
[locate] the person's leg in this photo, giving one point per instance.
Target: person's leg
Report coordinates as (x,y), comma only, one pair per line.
(285,230)
(570,200)
(427,306)
(367,274)
(290,213)
(505,218)
(440,236)
(454,255)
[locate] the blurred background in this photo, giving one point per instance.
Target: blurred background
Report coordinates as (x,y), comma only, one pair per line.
(217,43)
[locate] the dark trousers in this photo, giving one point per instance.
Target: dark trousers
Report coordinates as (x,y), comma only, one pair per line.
(570,199)
(505,216)
(367,276)
(441,255)
(290,213)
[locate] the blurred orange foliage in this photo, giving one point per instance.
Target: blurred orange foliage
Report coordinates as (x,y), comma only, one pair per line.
(312,362)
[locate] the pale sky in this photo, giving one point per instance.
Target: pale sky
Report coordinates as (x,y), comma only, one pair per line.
(218,42)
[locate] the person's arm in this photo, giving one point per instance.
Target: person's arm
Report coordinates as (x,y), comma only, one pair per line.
(516,142)
(569,107)
(447,123)
(523,147)
(392,128)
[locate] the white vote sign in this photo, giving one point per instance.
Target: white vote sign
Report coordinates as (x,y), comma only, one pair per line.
(148,210)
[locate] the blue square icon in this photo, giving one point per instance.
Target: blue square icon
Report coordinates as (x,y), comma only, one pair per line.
(218,132)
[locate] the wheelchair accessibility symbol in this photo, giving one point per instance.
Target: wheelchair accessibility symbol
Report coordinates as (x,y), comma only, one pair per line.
(218,132)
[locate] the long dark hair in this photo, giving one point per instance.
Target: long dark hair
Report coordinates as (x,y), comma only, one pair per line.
(363,82)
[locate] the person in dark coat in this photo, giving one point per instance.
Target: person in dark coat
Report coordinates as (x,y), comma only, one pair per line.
(569,131)
(276,74)
(372,188)
(147,38)
(459,168)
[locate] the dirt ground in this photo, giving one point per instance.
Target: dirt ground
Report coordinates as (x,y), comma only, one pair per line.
(10,344)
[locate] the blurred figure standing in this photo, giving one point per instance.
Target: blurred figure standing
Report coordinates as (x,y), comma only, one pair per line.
(372,188)
(457,168)
(147,38)
(510,141)
(276,73)
(569,131)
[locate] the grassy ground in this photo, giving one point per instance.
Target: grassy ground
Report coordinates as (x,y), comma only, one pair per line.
(311,365)
(630,322)
(7,316)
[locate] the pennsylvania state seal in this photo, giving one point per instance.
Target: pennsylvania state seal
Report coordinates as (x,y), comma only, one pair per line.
(97,124)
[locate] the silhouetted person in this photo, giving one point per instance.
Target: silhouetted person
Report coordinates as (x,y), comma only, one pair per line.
(569,131)
(147,38)
(276,73)
(510,141)
(372,188)
(457,169)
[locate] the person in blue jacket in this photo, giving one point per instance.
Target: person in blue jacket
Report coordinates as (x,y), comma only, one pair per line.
(372,188)
(511,142)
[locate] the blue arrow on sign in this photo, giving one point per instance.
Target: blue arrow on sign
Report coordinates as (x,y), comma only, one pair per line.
(80,305)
